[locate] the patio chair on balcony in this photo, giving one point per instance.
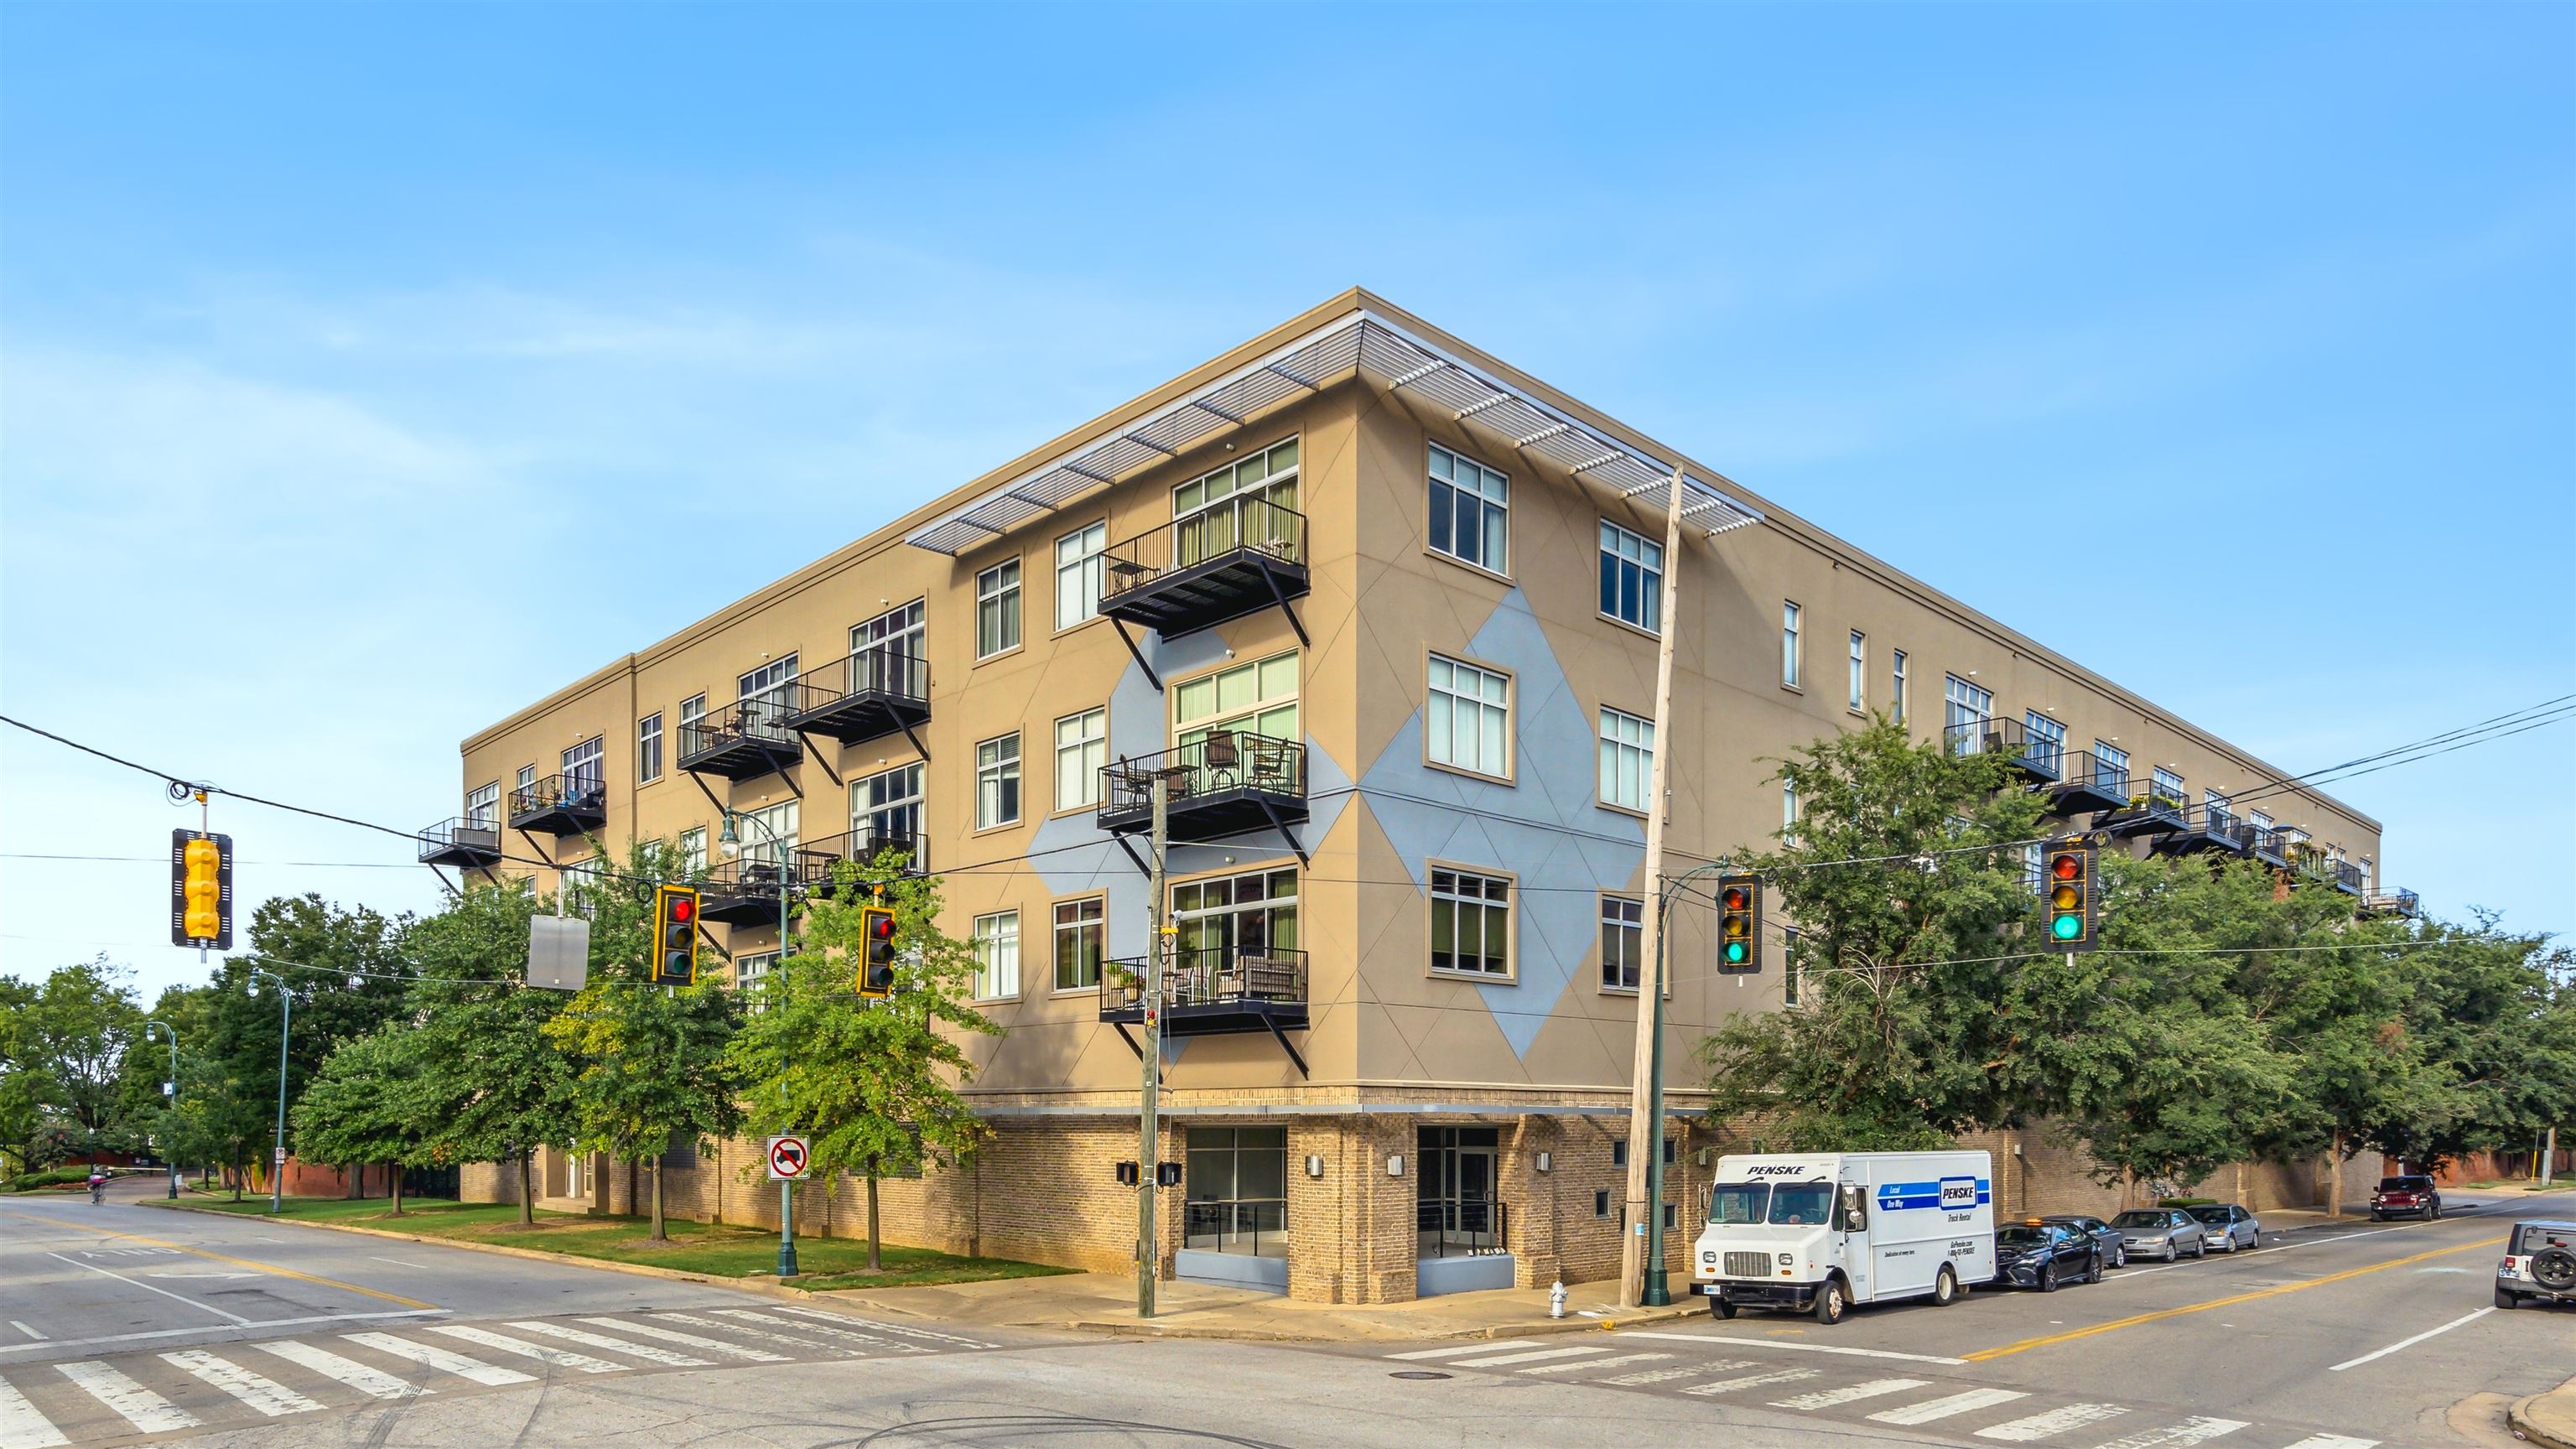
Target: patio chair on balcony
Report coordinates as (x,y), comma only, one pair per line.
(1223,761)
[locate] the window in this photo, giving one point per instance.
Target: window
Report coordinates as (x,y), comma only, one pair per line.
(2215,811)
(769,679)
(483,804)
(1252,503)
(890,653)
(1080,940)
(997,956)
(1470,506)
(1601,1203)
(2033,876)
(1081,748)
(693,710)
(2045,740)
(1788,812)
(1668,1207)
(1471,923)
(584,774)
(2168,787)
(885,809)
(1623,943)
(1793,981)
(693,851)
(769,834)
(997,609)
(1270,475)
(997,781)
(1619,1153)
(1896,700)
(1627,759)
(1077,574)
(1964,707)
(1229,917)
(1259,698)
(582,880)
(2110,765)
(1793,663)
(1632,578)
(527,776)
(1469,721)
(648,749)
(1859,701)
(2260,821)
(748,970)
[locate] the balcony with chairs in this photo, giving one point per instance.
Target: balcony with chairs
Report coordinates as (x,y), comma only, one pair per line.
(560,805)
(2210,828)
(744,740)
(2039,760)
(745,891)
(1230,559)
(2089,786)
(1212,991)
(816,859)
(467,842)
(2160,811)
(871,693)
(1227,783)
(2272,845)
(2391,903)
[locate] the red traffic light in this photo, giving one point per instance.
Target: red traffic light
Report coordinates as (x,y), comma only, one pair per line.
(683,908)
(881,925)
(1736,898)
(2066,866)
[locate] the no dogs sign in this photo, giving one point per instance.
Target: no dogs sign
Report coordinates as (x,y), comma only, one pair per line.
(787,1158)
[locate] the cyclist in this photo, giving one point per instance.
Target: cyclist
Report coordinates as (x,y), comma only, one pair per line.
(97,1184)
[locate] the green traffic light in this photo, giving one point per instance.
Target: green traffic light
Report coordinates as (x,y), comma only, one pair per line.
(2067,928)
(1735,950)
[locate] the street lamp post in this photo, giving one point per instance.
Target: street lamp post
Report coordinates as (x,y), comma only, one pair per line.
(169,1092)
(731,842)
(285,1021)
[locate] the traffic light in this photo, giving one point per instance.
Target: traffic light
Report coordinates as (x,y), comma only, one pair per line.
(876,955)
(675,935)
(201,890)
(2073,897)
(1739,924)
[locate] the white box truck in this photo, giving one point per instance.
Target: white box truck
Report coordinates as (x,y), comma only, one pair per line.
(1819,1231)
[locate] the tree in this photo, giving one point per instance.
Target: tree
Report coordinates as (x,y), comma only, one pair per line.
(75,1033)
(24,1085)
(872,1085)
(492,1085)
(2493,1015)
(651,1065)
(1906,877)
(365,1105)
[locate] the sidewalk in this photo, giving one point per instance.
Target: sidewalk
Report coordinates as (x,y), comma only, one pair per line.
(1106,1303)
(2547,1419)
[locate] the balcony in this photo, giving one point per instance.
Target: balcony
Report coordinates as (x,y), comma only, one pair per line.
(2324,869)
(1228,783)
(2088,787)
(1213,991)
(1223,562)
(744,740)
(744,892)
(2037,759)
(2391,903)
(466,842)
(910,855)
(2158,812)
(2215,828)
(561,805)
(871,693)
(2271,845)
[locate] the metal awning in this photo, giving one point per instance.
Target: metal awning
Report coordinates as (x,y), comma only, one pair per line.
(1362,345)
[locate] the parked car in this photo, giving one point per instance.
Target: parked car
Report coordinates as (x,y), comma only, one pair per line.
(2166,1233)
(2115,1247)
(2539,1263)
(2228,1227)
(2413,1193)
(2041,1255)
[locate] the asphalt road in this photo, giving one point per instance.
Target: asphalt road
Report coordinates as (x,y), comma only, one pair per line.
(126,1324)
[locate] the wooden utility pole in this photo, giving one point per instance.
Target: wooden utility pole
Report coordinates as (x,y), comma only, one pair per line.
(1645,1085)
(1149,1120)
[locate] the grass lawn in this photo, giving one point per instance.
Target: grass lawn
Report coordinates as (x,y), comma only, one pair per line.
(718,1251)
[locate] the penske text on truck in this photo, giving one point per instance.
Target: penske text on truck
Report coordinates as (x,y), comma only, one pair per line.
(1815,1232)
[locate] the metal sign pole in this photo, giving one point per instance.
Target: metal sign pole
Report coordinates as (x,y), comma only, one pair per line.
(1149,1120)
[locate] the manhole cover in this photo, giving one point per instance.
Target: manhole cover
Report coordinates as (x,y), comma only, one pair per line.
(1417,1374)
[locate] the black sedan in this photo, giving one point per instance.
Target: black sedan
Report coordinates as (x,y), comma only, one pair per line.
(2042,1255)
(2113,1242)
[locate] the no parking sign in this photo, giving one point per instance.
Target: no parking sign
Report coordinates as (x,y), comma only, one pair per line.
(787,1158)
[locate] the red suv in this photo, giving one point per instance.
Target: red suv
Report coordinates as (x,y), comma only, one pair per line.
(2413,1194)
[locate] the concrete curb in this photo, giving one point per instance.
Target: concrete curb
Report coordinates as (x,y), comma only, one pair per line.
(2518,1418)
(1569,1324)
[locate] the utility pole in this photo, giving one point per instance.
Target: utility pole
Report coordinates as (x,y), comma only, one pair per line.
(1641,1257)
(1149,1118)
(285,1023)
(169,1093)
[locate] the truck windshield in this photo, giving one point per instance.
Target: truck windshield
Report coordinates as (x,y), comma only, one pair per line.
(1803,1204)
(1738,1202)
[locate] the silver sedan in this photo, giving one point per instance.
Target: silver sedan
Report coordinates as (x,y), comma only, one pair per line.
(2166,1233)
(2228,1227)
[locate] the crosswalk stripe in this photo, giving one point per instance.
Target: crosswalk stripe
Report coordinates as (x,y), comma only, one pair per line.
(543,1353)
(1849,1393)
(2055,1421)
(888,1327)
(487,1374)
(2189,1431)
(754,1315)
(1753,1381)
(808,1345)
(1942,1408)
(257,1390)
(1657,1376)
(147,1411)
(375,1383)
(673,1335)
(644,1351)
(1454,1350)
(1595,1363)
(23,1423)
(2334,1441)
(1529,1356)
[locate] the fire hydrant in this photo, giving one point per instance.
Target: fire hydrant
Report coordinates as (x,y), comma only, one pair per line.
(1556,1299)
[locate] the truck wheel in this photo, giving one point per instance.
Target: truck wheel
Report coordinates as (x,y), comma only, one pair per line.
(1721,1308)
(1830,1301)
(1945,1287)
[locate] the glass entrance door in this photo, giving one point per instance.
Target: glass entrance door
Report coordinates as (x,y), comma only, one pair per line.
(1460,1211)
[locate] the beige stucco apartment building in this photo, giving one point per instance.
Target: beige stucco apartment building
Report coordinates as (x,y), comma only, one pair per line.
(1382,610)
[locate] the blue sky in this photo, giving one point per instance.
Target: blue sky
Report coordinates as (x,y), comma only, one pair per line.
(316,323)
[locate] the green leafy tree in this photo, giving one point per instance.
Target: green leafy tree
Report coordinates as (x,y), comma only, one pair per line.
(25,1087)
(651,1065)
(2493,1016)
(493,1085)
(872,1085)
(366,1105)
(74,1033)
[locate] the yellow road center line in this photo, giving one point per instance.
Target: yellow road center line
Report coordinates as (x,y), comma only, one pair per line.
(2274,1292)
(238,1262)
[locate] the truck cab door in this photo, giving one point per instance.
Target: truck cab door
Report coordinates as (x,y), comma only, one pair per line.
(1851,1241)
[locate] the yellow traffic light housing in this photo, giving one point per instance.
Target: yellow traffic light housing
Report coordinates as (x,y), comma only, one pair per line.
(675,935)
(201,890)
(1739,924)
(2070,890)
(876,953)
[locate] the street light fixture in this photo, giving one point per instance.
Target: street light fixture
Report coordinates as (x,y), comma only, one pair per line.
(729,841)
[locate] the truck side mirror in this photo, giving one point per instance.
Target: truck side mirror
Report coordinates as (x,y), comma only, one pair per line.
(1854,1217)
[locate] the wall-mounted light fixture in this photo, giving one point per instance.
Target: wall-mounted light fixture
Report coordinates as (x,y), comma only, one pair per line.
(1314,1165)
(1395,1164)
(1546,1162)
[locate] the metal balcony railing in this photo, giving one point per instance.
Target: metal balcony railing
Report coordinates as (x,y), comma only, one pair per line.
(870,693)
(746,738)
(564,804)
(2033,754)
(2270,843)
(464,840)
(1253,1226)
(1462,1227)
(910,854)
(1211,535)
(1229,775)
(1211,977)
(2392,903)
